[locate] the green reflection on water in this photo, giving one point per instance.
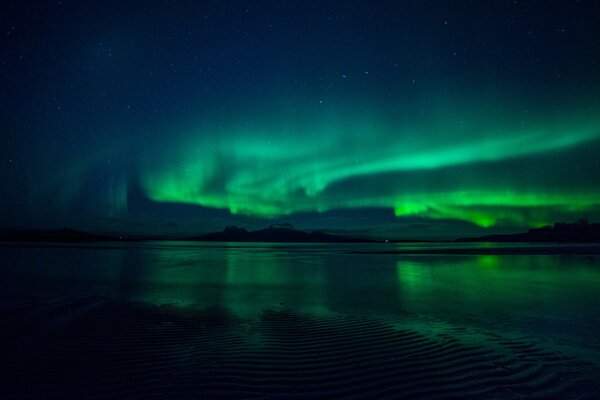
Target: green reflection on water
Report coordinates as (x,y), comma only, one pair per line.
(267,280)
(245,281)
(538,292)
(515,292)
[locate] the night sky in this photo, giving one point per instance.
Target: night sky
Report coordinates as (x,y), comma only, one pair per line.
(422,119)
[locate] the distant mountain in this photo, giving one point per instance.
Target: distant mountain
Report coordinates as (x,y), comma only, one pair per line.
(578,232)
(61,235)
(280,233)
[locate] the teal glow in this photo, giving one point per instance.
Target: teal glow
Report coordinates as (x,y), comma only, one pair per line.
(274,167)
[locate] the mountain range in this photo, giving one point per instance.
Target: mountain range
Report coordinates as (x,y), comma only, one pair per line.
(280,233)
(578,232)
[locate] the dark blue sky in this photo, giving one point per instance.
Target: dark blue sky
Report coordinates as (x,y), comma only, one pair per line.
(399,119)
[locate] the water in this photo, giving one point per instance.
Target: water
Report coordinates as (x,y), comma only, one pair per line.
(551,302)
(550,295)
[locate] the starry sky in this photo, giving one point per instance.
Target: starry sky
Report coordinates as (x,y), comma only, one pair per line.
(399,119)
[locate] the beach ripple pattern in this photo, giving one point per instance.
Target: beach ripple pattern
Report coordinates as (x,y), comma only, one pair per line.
(112,350)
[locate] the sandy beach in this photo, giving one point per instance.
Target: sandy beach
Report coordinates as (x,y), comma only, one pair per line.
(266,322)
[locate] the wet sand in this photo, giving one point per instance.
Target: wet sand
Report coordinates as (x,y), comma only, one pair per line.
(91,348)
(296,322)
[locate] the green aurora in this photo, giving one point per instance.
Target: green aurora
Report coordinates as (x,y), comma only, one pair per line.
(469,166)
(410,120)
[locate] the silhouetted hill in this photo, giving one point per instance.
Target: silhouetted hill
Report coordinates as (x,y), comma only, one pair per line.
(283,233)
(578,232)
(61,235)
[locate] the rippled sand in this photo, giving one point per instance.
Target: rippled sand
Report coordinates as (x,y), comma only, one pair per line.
(332,326)
(131,350)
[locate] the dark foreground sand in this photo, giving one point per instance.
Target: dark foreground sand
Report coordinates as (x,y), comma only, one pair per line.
(91,348)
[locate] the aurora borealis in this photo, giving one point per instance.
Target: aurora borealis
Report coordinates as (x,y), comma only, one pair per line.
(189,116)
(405,168)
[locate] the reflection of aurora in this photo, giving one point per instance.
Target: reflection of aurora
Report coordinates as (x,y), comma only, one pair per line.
(241,280)
(457,166)
(258,282)
(508,286)
(248,281)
